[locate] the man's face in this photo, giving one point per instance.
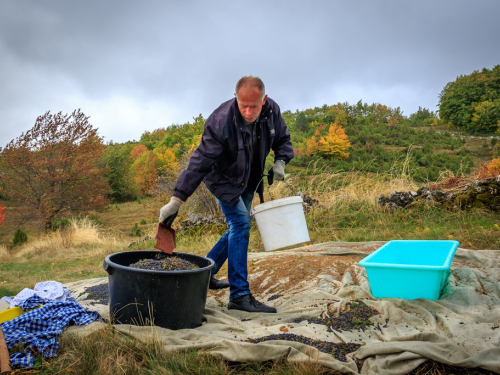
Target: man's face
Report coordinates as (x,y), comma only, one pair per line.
(249,102)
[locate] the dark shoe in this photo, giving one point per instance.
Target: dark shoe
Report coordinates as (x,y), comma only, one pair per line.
(250,304)
(217,284)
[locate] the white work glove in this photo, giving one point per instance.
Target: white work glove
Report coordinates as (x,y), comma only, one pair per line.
(279,170)
(169,211)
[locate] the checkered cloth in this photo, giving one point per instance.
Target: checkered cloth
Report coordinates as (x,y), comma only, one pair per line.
(40,328)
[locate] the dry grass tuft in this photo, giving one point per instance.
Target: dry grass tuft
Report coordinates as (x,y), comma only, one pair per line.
(366,189)
(108,351)
(4,254)
(105,351)
(81,234)
(333,189)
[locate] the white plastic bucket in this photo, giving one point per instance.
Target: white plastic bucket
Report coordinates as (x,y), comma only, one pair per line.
(281,223)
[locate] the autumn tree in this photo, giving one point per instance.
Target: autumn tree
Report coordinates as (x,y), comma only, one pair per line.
(332,144)
(335,142)
(488,170)
(168,165)
(52,169)
(2,216)
(312,144)
(137,151)
(486,116)
(146,171)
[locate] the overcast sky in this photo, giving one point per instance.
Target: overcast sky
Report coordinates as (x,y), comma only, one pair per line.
(135,66)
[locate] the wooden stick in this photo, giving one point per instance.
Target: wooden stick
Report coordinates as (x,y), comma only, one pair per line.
(4,355)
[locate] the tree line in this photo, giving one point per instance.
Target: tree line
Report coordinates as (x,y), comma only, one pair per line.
(472,102)
(62,167)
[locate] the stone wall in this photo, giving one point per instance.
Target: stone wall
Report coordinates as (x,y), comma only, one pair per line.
(480,194)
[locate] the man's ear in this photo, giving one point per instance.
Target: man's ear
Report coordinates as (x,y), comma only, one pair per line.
(264,101)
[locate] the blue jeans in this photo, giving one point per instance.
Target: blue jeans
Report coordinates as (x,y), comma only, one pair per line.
(233,245)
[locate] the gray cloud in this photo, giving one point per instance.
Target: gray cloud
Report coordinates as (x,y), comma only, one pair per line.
(136,66)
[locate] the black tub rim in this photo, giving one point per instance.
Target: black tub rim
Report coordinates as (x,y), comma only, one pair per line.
(110,263)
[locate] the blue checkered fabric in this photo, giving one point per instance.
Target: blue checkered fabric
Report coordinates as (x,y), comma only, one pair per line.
(39,329)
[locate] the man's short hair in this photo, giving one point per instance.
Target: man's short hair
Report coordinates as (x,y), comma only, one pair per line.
(252,82)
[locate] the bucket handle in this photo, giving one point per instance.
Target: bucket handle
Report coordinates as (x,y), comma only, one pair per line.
(270,180)
(106,267)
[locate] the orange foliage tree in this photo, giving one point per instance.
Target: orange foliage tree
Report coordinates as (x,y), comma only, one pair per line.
(2,216)
(137,151)
(488,170)
(145,171)
(333,143)
(494,166)
(168,164)
(52,169)
(312,144)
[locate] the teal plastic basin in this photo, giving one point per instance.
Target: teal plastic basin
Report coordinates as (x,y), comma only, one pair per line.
(410,269)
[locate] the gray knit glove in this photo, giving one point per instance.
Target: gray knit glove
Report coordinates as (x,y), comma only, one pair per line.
(279,170)
(169,211)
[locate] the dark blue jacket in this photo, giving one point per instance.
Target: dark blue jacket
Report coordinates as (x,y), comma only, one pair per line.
(222,160)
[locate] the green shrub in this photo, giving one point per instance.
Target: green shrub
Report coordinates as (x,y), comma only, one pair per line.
(94,219)
(60,223)
(496,150)
(136,231)
(20,237)
(143,222)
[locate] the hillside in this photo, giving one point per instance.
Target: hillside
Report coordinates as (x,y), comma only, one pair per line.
(381,141)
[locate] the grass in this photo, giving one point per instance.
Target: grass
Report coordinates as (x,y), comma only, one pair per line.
(347,212)
(475,229)
(71,254)
(107,351)
(473,143)
(117,221)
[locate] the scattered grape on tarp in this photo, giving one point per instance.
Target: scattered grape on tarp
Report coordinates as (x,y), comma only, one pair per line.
(353,315)
(273,297)
(338,350)
(99,293)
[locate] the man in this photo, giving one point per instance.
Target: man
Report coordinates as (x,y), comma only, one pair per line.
(230,159)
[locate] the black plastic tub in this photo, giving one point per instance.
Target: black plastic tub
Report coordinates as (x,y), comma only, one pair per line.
(168,299)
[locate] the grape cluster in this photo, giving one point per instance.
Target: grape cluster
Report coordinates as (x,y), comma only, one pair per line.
(172,263)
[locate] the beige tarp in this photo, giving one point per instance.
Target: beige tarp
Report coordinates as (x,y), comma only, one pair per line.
(461,328)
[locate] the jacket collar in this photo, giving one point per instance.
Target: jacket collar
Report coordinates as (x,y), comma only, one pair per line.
(264,113)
